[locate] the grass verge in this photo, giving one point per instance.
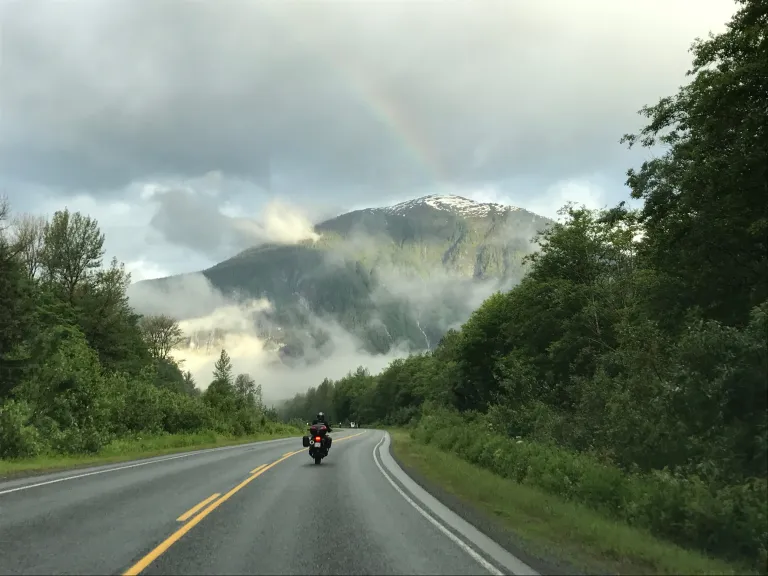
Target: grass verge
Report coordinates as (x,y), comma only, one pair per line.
(549,527)
(136,447)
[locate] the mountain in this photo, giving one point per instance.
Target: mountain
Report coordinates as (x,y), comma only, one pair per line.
(392,276)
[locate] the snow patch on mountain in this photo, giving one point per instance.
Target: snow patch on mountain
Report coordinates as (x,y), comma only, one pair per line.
(450,203)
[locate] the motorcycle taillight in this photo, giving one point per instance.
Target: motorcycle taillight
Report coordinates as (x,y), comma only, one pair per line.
(317,438)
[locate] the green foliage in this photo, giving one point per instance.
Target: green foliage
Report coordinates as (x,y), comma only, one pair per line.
(18,437)
(729,521)
(705,211)
(628,370)
(162,334)
(80,370)
(17,315)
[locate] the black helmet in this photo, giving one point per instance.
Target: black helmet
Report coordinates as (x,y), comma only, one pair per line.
(321,416)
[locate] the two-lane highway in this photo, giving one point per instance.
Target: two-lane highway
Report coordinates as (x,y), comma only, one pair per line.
(262,508)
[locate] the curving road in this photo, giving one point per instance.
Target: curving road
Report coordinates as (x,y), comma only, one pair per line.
(262,508)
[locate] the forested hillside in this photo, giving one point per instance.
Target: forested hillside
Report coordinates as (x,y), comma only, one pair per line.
(393,276)
(78,368)
(629,369)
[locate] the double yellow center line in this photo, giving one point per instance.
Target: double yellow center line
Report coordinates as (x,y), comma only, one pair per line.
(173,538)
(189,513)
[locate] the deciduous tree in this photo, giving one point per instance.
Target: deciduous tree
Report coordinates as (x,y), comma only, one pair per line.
(73,249)
(162,334)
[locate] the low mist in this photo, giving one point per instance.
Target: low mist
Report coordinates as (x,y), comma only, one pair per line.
(280,223)
(231,323)
(401,297)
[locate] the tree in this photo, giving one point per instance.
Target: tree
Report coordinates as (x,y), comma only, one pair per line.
(189,384)
(222,370)
(73,248)
(28,241)
(706,198)
(249,395)
(17,309)
(75,369)
(108,321)
(162,334)
(4,210)
(221,392)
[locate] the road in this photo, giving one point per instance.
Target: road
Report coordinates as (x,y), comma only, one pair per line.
(262,508)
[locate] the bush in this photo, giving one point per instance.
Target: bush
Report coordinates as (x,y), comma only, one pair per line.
(184,414)
(18,437)
(144,408)
(730,522)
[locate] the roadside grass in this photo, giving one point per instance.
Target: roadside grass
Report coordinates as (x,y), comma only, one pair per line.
(550,526)
(136,447)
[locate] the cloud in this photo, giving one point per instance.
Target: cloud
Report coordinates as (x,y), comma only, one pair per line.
(237,318)
(250,355)
(357,98)
(143,270)
(243,327)
(175,225)
(193,219)
(184,297)
(324,105)
(437,300)
(282,224)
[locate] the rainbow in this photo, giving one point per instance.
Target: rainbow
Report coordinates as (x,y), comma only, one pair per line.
(384,109)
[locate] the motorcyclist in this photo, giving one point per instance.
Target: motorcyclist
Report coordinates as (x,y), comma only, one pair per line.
(321,419)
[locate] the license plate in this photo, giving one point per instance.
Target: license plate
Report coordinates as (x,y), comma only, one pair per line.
(318,444)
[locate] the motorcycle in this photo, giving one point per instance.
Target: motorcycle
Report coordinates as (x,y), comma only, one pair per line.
(318,442)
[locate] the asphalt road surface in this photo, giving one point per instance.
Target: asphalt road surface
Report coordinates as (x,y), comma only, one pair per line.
(262,508)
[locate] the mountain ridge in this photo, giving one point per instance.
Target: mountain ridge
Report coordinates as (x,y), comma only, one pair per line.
(398,275)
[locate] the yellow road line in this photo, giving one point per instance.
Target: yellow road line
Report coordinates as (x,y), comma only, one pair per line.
(173,538)
(168,542)
(349,437)
(259,468)
(184,517)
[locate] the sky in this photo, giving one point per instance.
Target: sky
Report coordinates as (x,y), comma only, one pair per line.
(193,129)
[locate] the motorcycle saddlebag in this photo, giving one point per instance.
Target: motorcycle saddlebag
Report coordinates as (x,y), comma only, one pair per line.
(305,441)
(328,440)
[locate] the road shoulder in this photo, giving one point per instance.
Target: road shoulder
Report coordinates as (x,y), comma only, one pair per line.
(483,522)
(553,534)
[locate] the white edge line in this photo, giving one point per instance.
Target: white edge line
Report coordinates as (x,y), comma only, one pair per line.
(463,545)
(136,465)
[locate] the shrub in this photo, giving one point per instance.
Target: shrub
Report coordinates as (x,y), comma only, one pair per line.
(18,437)
(729,522)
